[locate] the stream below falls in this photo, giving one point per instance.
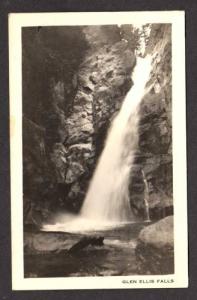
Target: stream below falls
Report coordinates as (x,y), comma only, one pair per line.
(115,257)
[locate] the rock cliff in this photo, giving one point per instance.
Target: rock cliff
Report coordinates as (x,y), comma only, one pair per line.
(154,155)
(74,82)
(70,97)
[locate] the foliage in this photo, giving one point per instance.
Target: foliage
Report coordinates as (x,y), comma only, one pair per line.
(136,36)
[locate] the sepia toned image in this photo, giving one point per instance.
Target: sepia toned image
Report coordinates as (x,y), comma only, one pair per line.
(97,151)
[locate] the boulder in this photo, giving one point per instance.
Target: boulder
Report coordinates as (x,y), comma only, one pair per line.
(158,235)
(155,248)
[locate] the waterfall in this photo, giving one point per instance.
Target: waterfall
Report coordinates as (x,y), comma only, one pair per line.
(107,198)
(146,198)
(107,201)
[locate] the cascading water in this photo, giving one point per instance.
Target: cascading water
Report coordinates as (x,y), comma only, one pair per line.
(146,198)
(107,198)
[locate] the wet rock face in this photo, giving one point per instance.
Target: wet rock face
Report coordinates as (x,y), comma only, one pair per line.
(75,101)
(74,85)
(155,131)
(155,248)
(102,82)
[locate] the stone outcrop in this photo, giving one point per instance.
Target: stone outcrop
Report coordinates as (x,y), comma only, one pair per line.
(155,248)
(154,156)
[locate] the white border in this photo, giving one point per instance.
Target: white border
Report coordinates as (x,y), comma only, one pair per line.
(176,18)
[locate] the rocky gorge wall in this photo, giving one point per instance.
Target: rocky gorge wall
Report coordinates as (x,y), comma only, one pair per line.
(63,140)
(74,82)
(154,155)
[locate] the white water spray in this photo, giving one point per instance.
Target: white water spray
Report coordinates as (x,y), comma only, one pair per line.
(107,198)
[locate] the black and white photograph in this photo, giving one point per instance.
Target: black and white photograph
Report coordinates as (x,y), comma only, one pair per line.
(97,150)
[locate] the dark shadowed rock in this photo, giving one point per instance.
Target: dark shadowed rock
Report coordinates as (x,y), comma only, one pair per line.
(38,242)
(85,242)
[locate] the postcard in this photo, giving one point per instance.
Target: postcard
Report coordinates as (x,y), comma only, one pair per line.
(98,150)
